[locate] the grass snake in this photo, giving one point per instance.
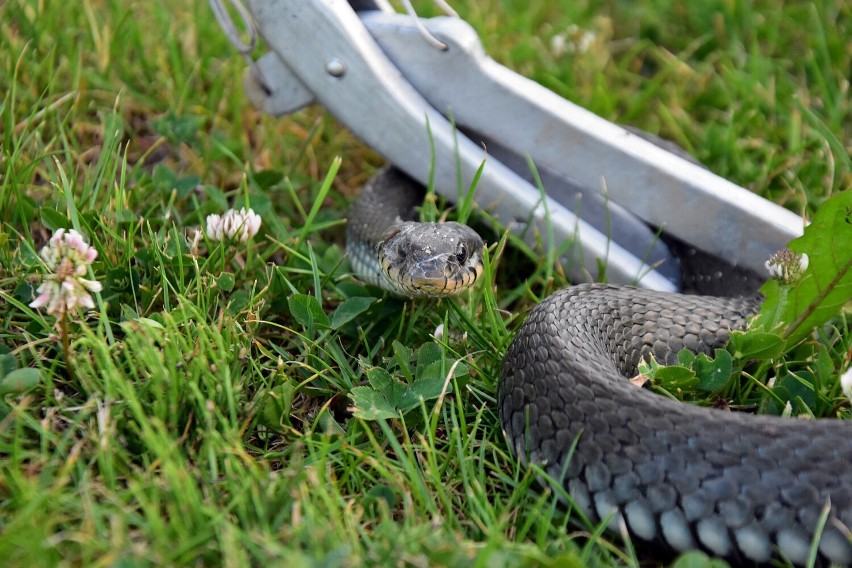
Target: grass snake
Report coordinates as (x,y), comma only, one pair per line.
(679,477)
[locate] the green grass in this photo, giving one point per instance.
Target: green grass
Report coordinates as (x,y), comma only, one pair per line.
(206,417)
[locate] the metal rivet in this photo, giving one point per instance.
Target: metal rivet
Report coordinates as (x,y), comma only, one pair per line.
(335,67)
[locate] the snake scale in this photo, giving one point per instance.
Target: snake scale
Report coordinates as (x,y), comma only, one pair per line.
(678,477)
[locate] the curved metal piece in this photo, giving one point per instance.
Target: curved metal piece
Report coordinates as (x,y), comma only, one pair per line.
(372,98)
(662,188)
(273,88)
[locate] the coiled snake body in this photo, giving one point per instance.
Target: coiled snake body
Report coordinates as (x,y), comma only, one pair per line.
(745,488)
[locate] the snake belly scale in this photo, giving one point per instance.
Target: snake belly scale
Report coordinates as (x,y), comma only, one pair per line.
(680,477)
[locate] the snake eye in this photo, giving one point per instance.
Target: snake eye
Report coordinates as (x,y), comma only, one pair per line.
(461,256)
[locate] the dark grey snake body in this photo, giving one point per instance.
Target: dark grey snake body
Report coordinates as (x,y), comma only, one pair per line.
(745,488)
(738,486)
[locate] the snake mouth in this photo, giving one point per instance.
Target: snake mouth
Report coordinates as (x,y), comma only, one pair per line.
(438,277)
(431,259)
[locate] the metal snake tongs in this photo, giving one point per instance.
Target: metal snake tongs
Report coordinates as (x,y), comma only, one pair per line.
(370,67)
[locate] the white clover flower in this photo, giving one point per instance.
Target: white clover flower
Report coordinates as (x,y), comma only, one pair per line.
(68,257)
(214,227)
(572,40)
(786,266)
(233,225)
(439,332)
(194,239)
(846,383)
(557,44)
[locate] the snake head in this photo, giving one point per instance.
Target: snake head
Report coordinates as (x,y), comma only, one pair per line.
(431,259)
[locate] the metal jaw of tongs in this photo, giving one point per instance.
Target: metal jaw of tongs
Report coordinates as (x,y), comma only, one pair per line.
(425,107)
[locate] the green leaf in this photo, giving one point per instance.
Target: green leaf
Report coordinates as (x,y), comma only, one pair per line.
(713,374)
(163,177)
(166,180)
(275,413)
(827,283)
(53,219)
(432,371)
(7,361)
(121,279)
(261,204)
(421,391)
(696,559)
(128,313)
(238,302)
(151,324)
(568,560)
(183,186)
(126,217)
(307,311)
(755,344)
(328,424)
(371,405)
(381,493)
(403,355)
(685,358)
(823,366)
(382,381)
(427,355)
(398,396)
(350,309)
(439,369)
(351,289)
(675,378)
(226,281)
(178,128)
(790,388)
(20,381)
(429,384)
(648,366)
(217,196)
(331,258)
(265,179)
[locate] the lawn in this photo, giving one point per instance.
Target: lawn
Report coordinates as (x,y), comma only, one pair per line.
(217,405)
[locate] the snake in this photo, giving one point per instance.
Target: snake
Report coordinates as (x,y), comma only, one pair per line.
(389,249)
(677,477)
